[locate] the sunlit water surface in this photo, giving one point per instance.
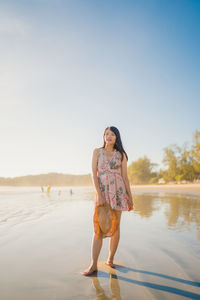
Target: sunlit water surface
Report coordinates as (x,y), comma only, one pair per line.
(45,243)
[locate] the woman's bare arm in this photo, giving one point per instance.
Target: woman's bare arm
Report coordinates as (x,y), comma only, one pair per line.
(94,171)
(125,176)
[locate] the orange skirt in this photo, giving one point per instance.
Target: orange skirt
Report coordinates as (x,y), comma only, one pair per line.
(97,230)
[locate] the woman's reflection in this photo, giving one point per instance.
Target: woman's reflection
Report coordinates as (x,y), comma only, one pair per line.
(114,288)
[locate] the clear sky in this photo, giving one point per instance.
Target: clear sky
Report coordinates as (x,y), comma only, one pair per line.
(70,68)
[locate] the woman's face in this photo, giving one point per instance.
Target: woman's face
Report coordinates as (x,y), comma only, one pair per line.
(109,137)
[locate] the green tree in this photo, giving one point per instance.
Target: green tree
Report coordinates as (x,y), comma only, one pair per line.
(196,152)
(182,163)
(171,161)
(185,164)
(140,171)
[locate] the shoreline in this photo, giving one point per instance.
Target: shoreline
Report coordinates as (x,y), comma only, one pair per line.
(186,186)
(177,185)
(193,188)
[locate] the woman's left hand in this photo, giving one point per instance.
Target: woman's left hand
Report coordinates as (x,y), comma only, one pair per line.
(130,204)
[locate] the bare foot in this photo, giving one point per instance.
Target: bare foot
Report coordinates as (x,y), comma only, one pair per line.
(110,264)
(89,271)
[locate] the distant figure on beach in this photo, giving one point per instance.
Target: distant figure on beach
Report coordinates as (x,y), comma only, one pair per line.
(110,179)
(48,190)
(70,191)
(42,189)
(59,192)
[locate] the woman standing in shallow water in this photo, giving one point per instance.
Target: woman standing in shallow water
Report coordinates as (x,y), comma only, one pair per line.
(109,173)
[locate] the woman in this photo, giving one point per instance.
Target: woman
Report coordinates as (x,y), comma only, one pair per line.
(109,170)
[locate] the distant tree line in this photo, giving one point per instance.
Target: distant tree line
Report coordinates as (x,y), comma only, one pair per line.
(182,165)
(53,179)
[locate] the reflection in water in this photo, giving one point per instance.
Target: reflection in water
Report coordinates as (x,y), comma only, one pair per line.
(19,205)
(34,226)
(145,205)
(25,204)
(181,211)
(114,288)
(121,270)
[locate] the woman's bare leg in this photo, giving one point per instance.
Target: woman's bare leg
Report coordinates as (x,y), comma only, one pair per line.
(95,250)
(114,241)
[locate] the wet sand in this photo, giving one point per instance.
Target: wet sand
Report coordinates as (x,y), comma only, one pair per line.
(45,244)
(193,188)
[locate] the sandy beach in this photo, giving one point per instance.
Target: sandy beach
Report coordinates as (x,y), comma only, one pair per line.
(186,188)
(45,244)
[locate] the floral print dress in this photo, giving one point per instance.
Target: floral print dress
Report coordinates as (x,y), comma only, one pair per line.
(112,187)
(110,180)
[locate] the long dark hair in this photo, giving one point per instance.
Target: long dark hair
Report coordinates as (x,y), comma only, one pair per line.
(118,143)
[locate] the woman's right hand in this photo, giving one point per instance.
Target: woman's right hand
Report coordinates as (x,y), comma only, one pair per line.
(100,200)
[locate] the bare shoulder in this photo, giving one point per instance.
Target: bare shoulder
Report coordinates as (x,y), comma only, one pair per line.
(96,151)
(124,159)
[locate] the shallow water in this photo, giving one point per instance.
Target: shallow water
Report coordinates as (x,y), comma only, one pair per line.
(45,243)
